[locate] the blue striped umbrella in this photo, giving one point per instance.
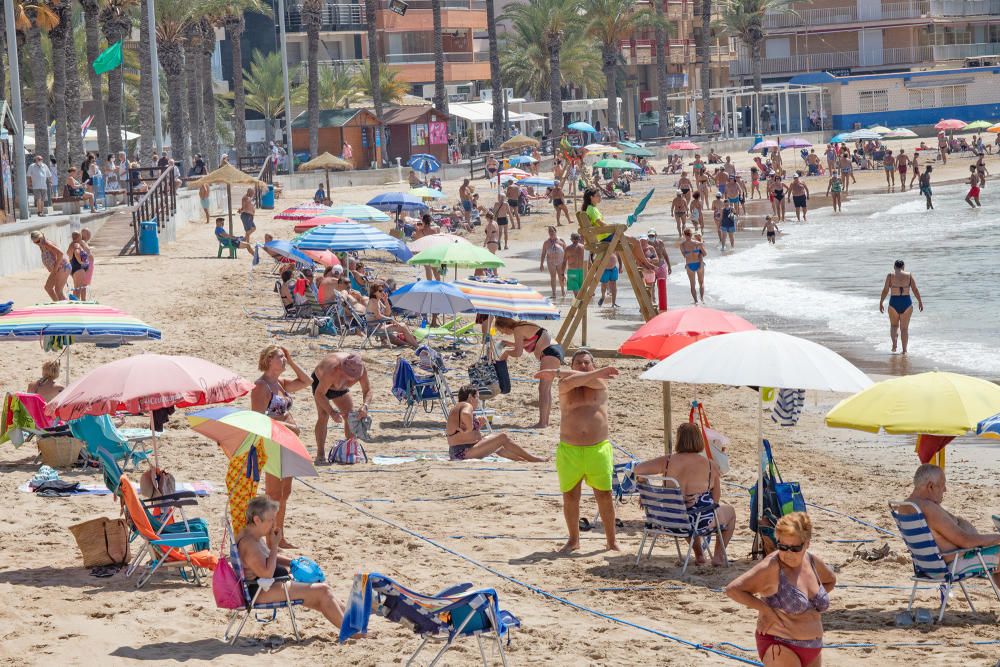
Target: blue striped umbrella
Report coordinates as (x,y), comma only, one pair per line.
(287,250)
(359,212)
(396,201)
(522,159)
(507,299)
(430,297)
(85,321)
(349,237)
(990,427)
(424,163)
(537,181)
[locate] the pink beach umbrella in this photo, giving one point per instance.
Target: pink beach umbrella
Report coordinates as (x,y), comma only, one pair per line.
(324,257)
(683,146)
(950,124)
(147,382)
(767,143)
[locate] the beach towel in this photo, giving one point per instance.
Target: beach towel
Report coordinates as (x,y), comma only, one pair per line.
(788,406)
(242,479)
(22,411)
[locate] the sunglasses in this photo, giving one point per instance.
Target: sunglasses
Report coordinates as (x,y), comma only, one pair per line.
(794,548)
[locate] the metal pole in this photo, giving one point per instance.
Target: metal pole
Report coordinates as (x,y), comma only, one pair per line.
(154,68)
(20,175)
(288,97)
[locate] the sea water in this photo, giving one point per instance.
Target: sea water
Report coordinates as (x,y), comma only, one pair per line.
(826,276)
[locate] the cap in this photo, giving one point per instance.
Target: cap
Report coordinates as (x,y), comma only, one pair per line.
(718,195)
(651,232)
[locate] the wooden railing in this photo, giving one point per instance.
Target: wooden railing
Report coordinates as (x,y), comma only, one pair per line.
(159,202)
(265,175)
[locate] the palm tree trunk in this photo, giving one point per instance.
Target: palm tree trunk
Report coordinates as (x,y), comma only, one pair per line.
(57,35)
(609,63)
(115,27)
(100,122)
(662,105)
(440,93)
(495,84)
(555,89)
(192,73)
(235,26)
(373,58)
(756,63)
(211,136)
(172,61)
(706,60)
(3,55)
(312,20)
(147,140)
(39,89)
(268,130)
(74,107)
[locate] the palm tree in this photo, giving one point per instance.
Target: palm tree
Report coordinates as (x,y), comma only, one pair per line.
(553,19)
(173,19)
(496,86)
(440,94)
(235,23)
(264,84)
(373,51)
(662,106)
(744,19)
(390,89)
(59,34)
(32,18)
(75,47)
(525,63)
(312,21)
(609,22)
(210,134)
(337,89)
(704,40)
(92,25)
(116,24)
(146,75)
(193,88)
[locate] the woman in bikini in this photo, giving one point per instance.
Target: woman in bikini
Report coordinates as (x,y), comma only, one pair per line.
(47,386)
(79,262)
(790,590)
(897,287)
(694,261)
(57,263)
(272,396)
(465,440)
(529,337)
(501,210)
(699,478)
(258,546)
(684,185)
(379,313)
(492,231)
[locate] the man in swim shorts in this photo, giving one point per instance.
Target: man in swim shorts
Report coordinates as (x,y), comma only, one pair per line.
(800,198)
(972,199)
(332,380)
(609,280)
(465,195)
(574,263)
(247,210)
(584,452)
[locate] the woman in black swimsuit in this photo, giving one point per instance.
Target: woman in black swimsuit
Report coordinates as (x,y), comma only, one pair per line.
(465,440)
(501,210)
(529,337)
(258,547)
(272,396)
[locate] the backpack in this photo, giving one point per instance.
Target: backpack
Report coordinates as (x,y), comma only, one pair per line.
(347,452)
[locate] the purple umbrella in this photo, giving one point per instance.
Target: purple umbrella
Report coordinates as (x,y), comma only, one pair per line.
(795,142)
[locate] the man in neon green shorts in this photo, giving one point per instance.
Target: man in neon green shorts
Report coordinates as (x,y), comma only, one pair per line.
(584,452)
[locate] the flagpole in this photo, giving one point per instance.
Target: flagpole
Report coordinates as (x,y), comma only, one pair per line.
(154,60)
(20,176)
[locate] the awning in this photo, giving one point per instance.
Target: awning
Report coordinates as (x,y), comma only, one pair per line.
(482,112)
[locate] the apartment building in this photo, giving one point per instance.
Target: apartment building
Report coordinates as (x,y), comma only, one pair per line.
(853,37)
(406,43)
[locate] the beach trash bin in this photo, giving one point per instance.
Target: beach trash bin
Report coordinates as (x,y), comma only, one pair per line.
(267,198)
(149,240)
(757,138)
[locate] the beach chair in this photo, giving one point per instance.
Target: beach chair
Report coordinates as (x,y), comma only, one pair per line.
(667,514)
(250,604)
(416,390)
(22,417)
(929,565)
(100,433)
(449,615)
(171,549)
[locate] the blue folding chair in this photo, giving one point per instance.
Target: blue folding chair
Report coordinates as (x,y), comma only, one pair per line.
(929,564)
(99,432)
(449,615)
(416,390)
(668,515)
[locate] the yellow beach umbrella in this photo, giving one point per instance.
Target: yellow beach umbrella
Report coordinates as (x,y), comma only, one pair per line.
(519,141)
(326,162)
(229,176)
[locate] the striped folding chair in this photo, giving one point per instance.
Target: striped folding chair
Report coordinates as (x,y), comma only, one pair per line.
(667,514)
(929,564)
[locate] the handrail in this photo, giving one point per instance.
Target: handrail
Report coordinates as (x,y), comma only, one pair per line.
(265,175)
(159,203)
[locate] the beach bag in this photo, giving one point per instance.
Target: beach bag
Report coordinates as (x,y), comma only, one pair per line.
(225,584)
(306,571)
(483,376)
(503,376)
(102,541)
(780,498)
(157,482)
(348,452)
(715,442)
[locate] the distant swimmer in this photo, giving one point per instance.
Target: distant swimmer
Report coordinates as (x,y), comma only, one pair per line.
(898,286)
(972,199)
(925,186)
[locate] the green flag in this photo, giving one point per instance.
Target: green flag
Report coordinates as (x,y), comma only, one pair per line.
(109,59)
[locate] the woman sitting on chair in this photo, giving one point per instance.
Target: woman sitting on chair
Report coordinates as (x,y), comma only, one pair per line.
(257,544)
(380,315)
(465,440)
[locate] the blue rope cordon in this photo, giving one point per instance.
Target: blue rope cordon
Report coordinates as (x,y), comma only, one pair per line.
(532,587)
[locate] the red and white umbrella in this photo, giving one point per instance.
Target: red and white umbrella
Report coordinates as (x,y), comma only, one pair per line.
(303,211)
(319,221)
(683,146)
(514,172)
(950,124)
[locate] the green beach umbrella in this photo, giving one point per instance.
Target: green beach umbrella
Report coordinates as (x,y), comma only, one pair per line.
(611,163)
(638,151)
(459,253)
(977,125)
(427,193)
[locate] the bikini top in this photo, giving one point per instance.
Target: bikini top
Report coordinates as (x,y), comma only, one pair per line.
(280,404)
(791,600)
(531,343)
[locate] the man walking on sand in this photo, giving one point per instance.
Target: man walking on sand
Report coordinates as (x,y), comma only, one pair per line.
(574,261)
(584,451)
(465,194)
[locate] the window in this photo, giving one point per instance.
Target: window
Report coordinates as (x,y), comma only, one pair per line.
(953,96)
(922,98)
(873,101)
(780,47)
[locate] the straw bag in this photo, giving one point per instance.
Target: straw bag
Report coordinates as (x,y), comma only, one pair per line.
(102,541)
(61,452)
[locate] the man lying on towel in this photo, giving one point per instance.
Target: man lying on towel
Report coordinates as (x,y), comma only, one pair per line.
(951,532)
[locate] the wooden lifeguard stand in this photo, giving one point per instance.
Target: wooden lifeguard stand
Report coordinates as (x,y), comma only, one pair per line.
(614,241)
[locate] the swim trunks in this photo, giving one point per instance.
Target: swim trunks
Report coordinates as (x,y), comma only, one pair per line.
(458,452)
(799,201)
(973,191)
(574,279)
(330,393)
(592,464)
(205,203)
(466,204)
(610,275)
(247,220)
(969,561)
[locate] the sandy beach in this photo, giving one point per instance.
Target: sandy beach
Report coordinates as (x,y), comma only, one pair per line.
(430,523)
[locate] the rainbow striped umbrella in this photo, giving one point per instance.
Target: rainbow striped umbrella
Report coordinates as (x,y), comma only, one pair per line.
(85,321)
(237,429)
(303,211)
(507,299)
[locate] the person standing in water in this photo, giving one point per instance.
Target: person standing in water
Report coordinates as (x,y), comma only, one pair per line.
(972,199)
(834,190)
(694,261)
(897,287)
(925,186)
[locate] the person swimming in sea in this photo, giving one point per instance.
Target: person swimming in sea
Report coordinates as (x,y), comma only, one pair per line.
(897,287)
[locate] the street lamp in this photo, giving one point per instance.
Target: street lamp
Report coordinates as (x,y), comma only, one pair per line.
(20,177)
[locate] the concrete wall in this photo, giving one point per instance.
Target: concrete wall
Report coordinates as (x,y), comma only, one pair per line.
(189,209)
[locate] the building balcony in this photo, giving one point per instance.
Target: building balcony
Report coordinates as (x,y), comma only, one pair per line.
(679,52)
(902,11)
(419,67)
(350,17)
(964,8)
(336,17)
(847,60)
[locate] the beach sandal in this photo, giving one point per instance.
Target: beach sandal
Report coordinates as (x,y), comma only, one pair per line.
(105,571)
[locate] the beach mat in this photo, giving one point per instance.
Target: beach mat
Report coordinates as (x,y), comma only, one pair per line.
(201,488)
